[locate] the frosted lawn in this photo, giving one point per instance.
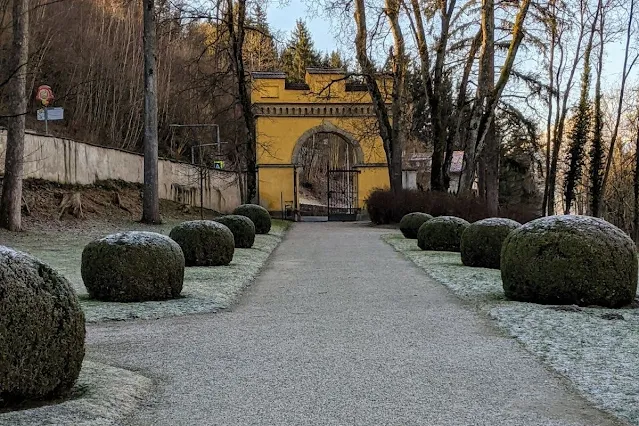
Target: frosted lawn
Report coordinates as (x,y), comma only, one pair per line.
(206,289)
(600,356)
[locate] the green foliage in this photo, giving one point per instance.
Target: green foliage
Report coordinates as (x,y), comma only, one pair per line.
(410,223)
(258,215)
(299,53)
(482,241)
(570,260)
(41,330)
(441,233)
(133,267)
(333,60)
(242,228)
(204,242)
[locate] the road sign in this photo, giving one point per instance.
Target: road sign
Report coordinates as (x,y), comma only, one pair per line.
(218,164)
(51,114)
(44,94)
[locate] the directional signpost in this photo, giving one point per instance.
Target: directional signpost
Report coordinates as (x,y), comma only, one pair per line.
(44,94)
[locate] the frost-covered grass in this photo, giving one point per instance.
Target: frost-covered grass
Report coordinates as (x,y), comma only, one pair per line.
(102,396)
(206,289)
(600,356)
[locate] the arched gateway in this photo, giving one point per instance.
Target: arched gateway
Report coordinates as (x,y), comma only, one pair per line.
(318,152)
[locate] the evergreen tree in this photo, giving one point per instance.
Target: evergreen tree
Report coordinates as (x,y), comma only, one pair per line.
(299,53)
(578,136)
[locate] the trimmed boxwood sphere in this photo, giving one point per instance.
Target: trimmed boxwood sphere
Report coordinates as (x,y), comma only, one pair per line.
(410,223)
(41,330)
(576,260)
(442,233)
(481,241)
(204,242)
(242,228)
(133,267)
(258,215)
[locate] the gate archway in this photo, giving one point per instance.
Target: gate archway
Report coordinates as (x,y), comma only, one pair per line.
(317,149)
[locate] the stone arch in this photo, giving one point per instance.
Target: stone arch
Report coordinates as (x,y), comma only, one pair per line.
(327,127)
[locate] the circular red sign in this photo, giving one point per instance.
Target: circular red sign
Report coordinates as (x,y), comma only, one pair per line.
(44,94)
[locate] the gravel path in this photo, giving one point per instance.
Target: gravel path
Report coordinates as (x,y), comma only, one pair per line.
(339,329)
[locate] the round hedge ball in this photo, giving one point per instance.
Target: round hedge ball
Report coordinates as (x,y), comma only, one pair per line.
(204,242)
(133,267)
(41,330)
(410,224)
(242,228)
(441,233)
(258,215)
(576,260)
(481,242)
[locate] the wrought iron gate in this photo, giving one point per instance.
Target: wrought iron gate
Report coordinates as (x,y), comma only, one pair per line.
(342,194)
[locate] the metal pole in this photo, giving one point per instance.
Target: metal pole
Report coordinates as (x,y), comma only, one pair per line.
(219,147)
(201,193)
(46,121)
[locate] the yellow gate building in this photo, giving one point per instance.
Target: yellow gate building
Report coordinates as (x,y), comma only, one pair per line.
(296,121)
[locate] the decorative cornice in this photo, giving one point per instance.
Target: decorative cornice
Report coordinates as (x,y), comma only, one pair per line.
(313,110)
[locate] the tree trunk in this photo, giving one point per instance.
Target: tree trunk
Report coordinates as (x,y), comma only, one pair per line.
(491,161)
(237,36)
(551,85)
(397,107)
(596,150)
(151,202)
(11,204)
(491,143)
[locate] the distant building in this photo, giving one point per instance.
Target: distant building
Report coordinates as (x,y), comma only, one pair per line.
(421,163)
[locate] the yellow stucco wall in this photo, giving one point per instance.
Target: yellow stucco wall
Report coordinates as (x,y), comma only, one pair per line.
(288,116)
(371,178)
(278,137)
(323,89)
(275,187)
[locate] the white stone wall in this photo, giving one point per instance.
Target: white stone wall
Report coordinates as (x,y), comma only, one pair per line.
(70,162)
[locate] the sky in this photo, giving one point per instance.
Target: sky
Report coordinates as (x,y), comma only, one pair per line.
(282,17)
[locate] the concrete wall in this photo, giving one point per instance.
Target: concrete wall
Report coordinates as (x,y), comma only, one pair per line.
(70,162)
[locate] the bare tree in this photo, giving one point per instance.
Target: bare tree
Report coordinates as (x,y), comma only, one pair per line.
(392,133)
(11,204)
(486,100)
(627,68)
(151,202)
(434,85)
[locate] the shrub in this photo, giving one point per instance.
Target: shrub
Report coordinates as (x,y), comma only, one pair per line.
(570,260)
(258,215)
(385,207)
(481,242)
(242,228)
(41,330)
(133,267)
(410,223)
(204,242)
(441,233)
